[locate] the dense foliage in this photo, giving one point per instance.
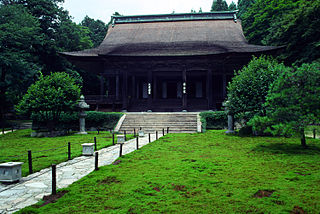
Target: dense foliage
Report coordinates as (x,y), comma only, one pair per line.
(32,33)
(19,33)
(292,102)
(243,6)
(293,23)
(98,30)
(50,96)
(248,90)
(213,120)
(99,120)
(219,5)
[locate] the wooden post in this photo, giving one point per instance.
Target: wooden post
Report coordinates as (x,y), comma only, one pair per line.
(54,179)
(137,143)
(120,152)
(117,86)
(125,91)
(125,135)
(30,162)
(209,89)
(224,86)
(149,137)
(112,138)
(314,133)
(95,144)
(96,167)
(163,132)
(156,135)
(69,151)
(101,87)
(167,130)
(134,132)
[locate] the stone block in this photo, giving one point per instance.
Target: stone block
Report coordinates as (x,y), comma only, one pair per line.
(120,138)
(10,172)
(87,149)
(141,133)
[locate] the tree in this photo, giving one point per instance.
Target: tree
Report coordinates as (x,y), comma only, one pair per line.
(219,5)
(243,6)
(232,6)
(50,96)
(19,33)
(249,87)
(58,31)
(293,100)
(98,30)
(290,23)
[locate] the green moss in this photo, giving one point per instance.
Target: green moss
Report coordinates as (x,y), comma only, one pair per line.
(202,173)
(19,142)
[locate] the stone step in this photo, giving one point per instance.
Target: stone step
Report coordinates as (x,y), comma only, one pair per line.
(150,122)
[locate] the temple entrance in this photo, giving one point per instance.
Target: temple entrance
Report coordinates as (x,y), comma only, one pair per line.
(172,90)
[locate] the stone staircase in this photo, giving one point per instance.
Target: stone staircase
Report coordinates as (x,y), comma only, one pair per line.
(150,122)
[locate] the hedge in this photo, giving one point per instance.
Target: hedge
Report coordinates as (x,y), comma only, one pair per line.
(101,120)
(214,120)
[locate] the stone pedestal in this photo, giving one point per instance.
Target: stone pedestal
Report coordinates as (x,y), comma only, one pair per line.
(82,122)
(87,149)
(230,124)
(10,172)
(120,138)
(141,133)
(82,115)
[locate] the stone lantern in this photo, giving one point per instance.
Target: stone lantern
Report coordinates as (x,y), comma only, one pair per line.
(230,119)
(82,115)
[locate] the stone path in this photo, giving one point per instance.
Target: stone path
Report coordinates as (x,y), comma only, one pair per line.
(5,132)
(32,188)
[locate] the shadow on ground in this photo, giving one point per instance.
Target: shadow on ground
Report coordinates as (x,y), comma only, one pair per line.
(288,148)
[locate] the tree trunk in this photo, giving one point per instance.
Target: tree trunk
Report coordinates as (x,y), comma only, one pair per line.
(303,139)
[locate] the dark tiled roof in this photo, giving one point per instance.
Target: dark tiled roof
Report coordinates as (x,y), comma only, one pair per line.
(178,35)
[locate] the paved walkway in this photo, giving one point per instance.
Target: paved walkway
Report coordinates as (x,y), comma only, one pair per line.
(31,189)
(5,132)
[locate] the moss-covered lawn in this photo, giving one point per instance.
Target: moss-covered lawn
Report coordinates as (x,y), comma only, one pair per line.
(19,142)
(202,173)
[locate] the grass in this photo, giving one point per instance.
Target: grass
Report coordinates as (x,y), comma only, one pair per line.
(309,131)
(201,173)
(43,149)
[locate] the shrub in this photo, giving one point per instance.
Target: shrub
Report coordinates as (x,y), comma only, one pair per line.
(248,90)
(101,120)
(214,120)
(50,96)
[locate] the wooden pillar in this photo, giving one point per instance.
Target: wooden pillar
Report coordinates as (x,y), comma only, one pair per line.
(125,91)
(224,86)
(149,90)
(154,87)
(133,90)
(117,86)
(184,89)
(209,89)
(102,90)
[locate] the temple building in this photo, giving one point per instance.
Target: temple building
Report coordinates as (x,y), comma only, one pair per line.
(170,62)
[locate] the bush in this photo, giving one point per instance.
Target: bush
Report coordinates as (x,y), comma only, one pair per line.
(248,90)
(50,96)
(101,120)
(214,120)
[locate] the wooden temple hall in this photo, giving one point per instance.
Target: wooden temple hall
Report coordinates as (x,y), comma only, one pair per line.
(171,62)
